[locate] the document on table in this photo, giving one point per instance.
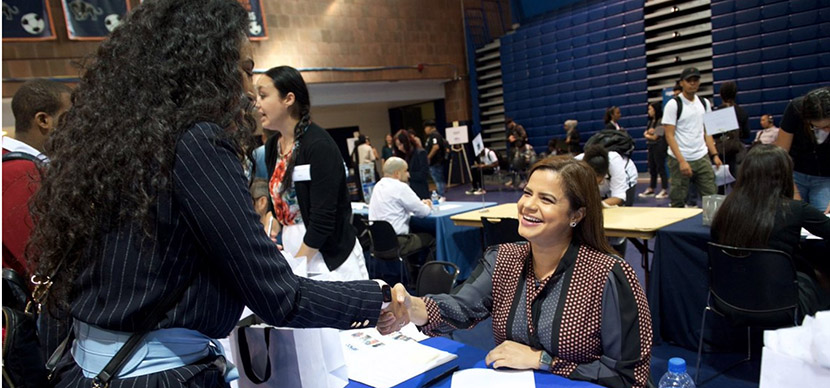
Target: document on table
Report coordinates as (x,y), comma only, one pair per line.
(449,206)
(809,236)
(484,378)
(386,361)
(721,120)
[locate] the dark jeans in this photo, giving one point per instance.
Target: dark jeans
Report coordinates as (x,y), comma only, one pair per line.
(657,153)
(476,173)
(437,172)
(410,245)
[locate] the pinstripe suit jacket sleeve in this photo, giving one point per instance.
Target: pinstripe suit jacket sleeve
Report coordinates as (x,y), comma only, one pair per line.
(210,188)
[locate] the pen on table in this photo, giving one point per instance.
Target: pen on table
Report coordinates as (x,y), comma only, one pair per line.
(440,377)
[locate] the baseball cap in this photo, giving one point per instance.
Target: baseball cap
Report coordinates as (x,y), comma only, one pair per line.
(689,72)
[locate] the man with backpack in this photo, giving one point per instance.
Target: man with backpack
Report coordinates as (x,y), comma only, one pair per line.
(436,154)
(689,145)
(37,107)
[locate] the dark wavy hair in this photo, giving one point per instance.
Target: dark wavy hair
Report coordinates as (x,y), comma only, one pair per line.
(747,215)
(405,138)
(658,114)
(608,114)
(580,187)
(596,156)
(171,64)
(286,80)
(815,105)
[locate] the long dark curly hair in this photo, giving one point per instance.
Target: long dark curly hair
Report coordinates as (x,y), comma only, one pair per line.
(171,64)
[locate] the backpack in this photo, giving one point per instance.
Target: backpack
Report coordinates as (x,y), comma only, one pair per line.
(679,103)
(613,140)
(23,364)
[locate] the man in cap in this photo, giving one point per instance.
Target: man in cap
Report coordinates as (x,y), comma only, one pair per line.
(689,145)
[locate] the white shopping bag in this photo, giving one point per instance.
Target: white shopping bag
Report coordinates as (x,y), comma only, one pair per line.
(269,356)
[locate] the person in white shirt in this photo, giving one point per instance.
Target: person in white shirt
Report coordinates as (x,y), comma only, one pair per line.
(487,164)
(616,175)
(393,201)
(688,142)
(769,133)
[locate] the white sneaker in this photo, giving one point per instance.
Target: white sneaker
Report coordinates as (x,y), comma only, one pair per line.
(480,192)
(648,193)
(687,206)
(662,194)
(470,192)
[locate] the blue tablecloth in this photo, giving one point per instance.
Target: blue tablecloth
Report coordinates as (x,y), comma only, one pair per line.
(460,245)
(679,286)
(472,357)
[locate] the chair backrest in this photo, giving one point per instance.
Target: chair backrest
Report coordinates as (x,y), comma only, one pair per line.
(753,286)
(384,240)
(361,231)
(436,277)
(500,231)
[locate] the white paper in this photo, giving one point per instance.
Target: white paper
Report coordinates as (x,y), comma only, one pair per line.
(457,135)
(299,265)
(449,207)
(484,378)
(809,236)
(721,120)
(478,144)
(386,361)
(301,173)
(722,175)
(350,142)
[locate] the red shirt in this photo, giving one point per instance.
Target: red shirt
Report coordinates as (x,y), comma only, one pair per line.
(20,181)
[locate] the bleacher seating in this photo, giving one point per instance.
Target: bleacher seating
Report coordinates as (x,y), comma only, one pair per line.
(772,49)
(577,63)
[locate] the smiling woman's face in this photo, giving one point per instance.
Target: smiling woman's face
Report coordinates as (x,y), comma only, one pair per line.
(544,210)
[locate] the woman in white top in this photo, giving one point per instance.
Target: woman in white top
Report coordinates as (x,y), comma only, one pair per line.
(616,175)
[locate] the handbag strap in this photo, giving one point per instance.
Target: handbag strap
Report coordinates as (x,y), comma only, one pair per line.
(117,362)
(245,356)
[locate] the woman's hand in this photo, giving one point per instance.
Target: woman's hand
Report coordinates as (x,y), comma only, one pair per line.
(513,355)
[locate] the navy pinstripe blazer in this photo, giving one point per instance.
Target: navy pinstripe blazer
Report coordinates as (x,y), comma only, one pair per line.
(207,225)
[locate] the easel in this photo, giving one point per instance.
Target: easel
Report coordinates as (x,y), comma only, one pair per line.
(459,148)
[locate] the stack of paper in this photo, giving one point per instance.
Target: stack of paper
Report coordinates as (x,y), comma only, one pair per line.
(386,361)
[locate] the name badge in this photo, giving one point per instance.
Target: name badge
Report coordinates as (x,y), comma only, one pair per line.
(301,173)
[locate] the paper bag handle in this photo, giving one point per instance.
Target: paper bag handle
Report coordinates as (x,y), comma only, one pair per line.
(245,356)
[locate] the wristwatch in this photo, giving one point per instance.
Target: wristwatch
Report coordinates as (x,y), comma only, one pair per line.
(387,296)
(545,361)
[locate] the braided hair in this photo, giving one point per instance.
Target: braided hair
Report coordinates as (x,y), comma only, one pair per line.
(286,80)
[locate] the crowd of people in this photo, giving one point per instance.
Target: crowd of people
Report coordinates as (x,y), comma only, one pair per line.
(188,204)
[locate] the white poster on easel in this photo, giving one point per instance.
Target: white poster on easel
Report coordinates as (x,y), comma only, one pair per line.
(720,121)
(478,144)
(350,144)
(457,135)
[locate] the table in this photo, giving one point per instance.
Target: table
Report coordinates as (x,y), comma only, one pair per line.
(457,244)
(637,224)
(472,357)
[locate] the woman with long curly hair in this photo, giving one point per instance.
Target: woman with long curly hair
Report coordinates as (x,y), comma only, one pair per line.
(121,222)
(408,149)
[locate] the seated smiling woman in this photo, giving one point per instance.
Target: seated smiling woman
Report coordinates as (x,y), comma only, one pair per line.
(561,302)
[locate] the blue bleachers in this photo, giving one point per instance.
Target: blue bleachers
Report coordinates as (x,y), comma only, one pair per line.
(775,50)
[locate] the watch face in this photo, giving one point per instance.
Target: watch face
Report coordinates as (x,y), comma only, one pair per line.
(546,359)
(387,293)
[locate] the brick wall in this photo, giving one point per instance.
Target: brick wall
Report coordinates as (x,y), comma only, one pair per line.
(310,33)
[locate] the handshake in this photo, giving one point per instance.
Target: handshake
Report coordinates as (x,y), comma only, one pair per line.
(399,311)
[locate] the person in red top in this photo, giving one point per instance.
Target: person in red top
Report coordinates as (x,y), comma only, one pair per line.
(37,107)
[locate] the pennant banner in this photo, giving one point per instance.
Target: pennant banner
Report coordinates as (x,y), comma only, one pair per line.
(256,19)
(93,19)
(27,20)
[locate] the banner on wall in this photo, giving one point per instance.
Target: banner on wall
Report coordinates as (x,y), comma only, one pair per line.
(93,19)
(27,20)
(256,19)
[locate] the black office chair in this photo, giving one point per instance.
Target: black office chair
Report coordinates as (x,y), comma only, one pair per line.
(385,245)
(500,231)
(750,287)
(361,231)
(436,277)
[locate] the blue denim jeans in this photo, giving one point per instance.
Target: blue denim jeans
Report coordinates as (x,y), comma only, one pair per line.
(814,190)
(437,173)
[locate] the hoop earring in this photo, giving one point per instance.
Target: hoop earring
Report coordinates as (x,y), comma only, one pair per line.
(573,224)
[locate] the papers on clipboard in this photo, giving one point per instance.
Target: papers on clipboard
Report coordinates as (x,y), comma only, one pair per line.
(722,175)
(721,120)
(386,361)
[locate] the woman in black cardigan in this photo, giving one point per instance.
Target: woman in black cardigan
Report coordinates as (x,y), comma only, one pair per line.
(307,180)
